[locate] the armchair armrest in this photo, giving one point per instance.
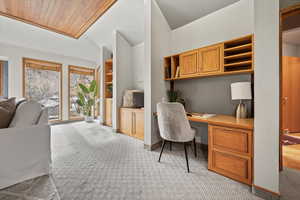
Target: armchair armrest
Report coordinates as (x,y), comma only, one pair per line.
(25,153)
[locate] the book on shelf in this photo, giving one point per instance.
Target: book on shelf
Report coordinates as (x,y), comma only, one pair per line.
(177,72)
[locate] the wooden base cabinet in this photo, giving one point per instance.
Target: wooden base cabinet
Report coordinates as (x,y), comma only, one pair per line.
(132,122)
(231,152)
(108,112)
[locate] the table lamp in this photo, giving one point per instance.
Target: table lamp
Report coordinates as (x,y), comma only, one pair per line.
(241,91)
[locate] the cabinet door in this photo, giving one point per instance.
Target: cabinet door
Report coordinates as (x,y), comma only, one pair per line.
(126,122)
(230,152)
(108,112)
(189,63)
(233,166)
(139,125)
(210,59)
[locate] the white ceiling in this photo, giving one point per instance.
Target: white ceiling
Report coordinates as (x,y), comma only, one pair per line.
(292,36)
(181,12)
(126,16)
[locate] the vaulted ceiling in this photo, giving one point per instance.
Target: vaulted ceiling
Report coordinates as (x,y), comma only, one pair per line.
(68,17)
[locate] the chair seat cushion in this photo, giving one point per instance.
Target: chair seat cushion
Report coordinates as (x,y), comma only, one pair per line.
(7,110)
(27,114)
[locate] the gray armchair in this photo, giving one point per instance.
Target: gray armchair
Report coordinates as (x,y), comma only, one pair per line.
(175,127)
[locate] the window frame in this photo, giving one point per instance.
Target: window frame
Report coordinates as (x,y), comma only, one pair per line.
(72,69)
(44,65)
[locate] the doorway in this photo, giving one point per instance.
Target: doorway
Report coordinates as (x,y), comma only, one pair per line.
(290,89)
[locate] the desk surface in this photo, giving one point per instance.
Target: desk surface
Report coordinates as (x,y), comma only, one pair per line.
(224,120)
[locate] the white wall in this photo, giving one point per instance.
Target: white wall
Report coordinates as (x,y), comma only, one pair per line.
(14,56)
(216,27)
(228,23)
(157,38)
(290,50)
(266,123)
(17,33)
(138,64)
(122,74)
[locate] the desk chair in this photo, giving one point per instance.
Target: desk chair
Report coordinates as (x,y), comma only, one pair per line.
(175,127)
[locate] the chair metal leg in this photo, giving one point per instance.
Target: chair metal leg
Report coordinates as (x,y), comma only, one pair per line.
(162,149)
(195,148)
(186,158)
(170,146)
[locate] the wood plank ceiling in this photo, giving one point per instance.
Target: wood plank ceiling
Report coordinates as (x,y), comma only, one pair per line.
(67,17)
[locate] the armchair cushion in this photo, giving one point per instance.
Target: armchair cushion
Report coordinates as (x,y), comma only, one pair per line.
(5,117)
(7,110)
(27,114)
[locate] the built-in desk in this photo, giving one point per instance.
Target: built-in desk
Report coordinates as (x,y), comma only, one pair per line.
(224,120)
(230,146)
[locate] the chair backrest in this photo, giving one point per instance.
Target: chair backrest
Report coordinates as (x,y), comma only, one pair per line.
(172,121)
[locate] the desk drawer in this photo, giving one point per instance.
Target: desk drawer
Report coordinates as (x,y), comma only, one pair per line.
(233,166)
(230,139)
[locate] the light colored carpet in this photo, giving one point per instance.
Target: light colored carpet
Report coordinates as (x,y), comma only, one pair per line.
(290,184)
(92,163)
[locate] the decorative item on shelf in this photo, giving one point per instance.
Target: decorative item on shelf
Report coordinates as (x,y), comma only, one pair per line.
(110,88)
(174,96)
(241,91)
(86,100)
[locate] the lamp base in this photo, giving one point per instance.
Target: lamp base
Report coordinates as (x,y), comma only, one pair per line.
(241,111)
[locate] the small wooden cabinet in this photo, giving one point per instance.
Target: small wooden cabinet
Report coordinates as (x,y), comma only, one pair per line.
(231,152)
(132,122)
(108,111)
(188,63)
(210,59)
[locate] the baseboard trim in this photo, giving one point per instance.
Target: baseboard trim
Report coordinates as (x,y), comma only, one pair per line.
(153,146)
(116,130)
(265,193)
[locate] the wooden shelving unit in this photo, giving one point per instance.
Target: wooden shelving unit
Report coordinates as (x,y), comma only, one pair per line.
(238,54)
(108,95)
(108,78)
(229,57)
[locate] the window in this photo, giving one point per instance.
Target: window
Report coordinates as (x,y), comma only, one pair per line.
(42,83)
(77,75)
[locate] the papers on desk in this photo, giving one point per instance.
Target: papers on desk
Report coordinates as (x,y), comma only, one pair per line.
(203,116)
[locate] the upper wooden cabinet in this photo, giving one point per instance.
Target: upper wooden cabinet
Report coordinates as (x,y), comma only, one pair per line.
(229,57)
(210,59)
(188,63)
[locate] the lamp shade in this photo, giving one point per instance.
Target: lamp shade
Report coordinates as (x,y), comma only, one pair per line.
(241,90)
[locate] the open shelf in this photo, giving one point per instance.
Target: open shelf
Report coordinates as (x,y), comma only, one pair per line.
(171,65)
(108,78)
(238,54)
